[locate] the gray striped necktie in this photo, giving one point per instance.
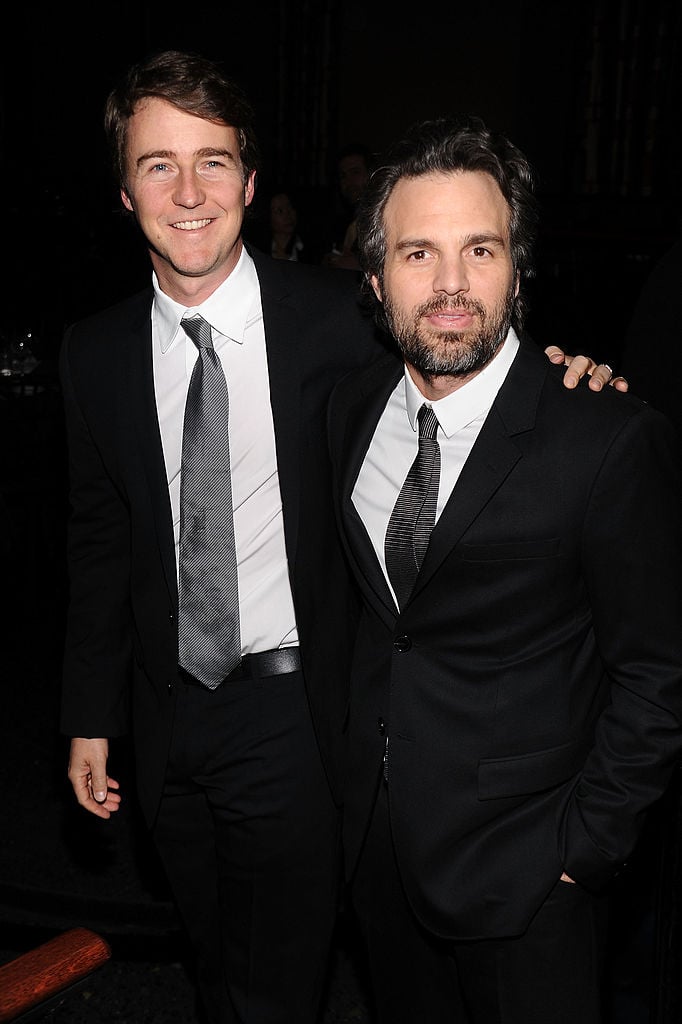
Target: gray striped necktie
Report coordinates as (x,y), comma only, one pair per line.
(414,513)
(208,627)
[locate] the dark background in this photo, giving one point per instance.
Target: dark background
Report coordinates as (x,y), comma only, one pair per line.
(592,91)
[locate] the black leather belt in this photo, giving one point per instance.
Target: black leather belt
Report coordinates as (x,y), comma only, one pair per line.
(277,662)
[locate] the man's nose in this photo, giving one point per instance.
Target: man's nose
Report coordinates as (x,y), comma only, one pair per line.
(189,190)
(451,275)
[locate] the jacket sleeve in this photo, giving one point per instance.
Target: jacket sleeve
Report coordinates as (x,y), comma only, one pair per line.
(97,652)
(632,559)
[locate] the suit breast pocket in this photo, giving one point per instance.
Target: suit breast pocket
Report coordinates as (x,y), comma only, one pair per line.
(510,550)
(508,590)
(513,573)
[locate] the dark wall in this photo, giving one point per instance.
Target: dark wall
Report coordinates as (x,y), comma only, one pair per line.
(591,91)
(435,59)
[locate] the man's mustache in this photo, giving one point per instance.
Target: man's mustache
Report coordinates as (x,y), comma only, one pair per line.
(454,305)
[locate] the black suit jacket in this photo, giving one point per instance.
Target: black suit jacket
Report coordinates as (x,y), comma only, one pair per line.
(121,643)
(531,689)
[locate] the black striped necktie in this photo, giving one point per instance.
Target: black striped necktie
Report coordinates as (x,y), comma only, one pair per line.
(208,627)
(414,513)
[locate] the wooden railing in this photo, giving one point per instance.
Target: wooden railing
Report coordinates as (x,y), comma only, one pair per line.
(34,977)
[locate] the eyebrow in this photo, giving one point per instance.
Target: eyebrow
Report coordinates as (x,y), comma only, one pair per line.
(482,239)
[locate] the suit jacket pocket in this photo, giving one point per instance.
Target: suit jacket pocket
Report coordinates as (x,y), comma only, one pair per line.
(524,774)
(510,550)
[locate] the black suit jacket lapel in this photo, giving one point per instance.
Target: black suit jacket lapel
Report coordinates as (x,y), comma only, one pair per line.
(281,318)
(492,458)
(362,418)
(145,440)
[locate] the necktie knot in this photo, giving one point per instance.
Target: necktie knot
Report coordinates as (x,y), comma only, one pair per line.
(199,330)
(428,423)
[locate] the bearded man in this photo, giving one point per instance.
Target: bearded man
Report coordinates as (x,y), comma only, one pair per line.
(516,696)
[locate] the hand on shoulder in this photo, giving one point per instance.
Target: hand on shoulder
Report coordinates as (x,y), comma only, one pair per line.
(577,366)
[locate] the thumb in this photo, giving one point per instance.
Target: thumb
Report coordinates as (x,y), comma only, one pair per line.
(99,785)
(555,354)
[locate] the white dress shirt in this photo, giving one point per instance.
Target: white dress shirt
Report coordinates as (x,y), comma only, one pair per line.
(394,445)
(235,314)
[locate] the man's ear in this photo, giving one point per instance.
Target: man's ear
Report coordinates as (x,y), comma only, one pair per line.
(250,188)
(374,281)
(125,199)
(518,284)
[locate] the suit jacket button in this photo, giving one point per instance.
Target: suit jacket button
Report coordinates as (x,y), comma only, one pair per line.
(382,726)
(402,644)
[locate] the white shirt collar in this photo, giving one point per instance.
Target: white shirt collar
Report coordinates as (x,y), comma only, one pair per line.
(227,309)
(459,408)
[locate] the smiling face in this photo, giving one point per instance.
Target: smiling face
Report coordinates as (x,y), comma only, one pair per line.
(185,185)
(448,283)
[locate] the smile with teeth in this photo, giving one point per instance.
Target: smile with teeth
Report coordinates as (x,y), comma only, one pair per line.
(192,225)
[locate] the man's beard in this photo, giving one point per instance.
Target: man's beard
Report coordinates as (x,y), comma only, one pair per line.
(450,353)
